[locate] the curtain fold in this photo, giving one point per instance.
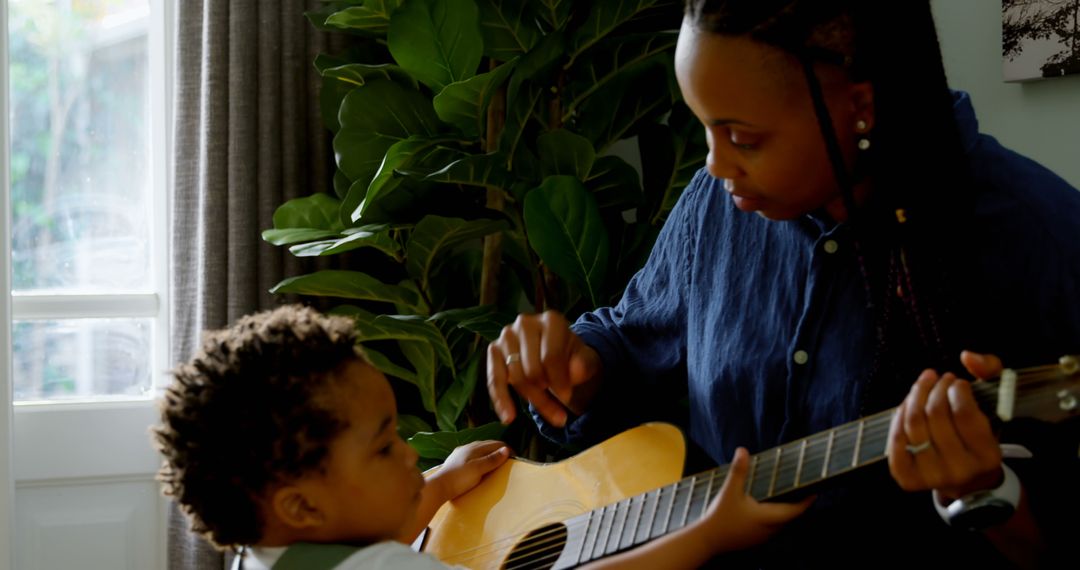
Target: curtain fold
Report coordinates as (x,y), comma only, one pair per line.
(248,136)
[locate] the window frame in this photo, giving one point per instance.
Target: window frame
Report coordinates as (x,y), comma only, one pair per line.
(39,306)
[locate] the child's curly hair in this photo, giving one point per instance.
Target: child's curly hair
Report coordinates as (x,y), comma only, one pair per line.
(250,411)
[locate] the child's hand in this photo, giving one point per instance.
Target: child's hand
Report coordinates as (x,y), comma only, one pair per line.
(467,464)
(736,520)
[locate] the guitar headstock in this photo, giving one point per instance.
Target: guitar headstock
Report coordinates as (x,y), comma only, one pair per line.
(1047,393)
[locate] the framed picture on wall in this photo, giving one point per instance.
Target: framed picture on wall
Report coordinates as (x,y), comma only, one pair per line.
(1040,38)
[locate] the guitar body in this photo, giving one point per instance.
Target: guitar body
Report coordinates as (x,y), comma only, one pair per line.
(482,528)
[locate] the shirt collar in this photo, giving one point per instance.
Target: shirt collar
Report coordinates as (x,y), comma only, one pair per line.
(966,122)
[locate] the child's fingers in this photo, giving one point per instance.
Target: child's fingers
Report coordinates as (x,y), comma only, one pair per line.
(735,482)
(780,513)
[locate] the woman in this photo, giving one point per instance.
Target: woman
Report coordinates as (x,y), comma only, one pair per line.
(851,229)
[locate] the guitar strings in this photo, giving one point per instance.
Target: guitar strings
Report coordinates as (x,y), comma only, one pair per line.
(717,474)
(544,549)
(767,461)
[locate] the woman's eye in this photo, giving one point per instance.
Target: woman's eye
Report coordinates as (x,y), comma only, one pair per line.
(386,449)
(742,142)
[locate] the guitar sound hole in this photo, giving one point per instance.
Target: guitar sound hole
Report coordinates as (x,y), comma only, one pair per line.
(538,550)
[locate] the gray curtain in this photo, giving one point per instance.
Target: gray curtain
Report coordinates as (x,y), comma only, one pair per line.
(247,137)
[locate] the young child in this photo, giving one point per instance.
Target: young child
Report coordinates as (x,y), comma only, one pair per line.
(280,433)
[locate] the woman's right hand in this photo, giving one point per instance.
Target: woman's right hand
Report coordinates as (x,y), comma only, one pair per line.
(546,363)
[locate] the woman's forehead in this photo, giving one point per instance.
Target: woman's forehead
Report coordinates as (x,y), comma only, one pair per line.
(721,74)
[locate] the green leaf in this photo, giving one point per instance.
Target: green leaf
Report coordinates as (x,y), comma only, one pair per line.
(555,12)
(437,41)
(488,170)
(464,103)
(436,234)
(605,16)
(371,18)
(519,109)
(615,111)
(670,155)
(506,29)
(305,219)
(614,183)
(341,184)
(483,320)
(373,118)
(387,366)
(453,401)
(375,235)
(565,229)
(317,211)
(457,316)
(422,356)
(408,426)
(439,445)
(348,285)
(563,152)
(402,328)
(619,56)
(415,151)
(295,235)
(360,74)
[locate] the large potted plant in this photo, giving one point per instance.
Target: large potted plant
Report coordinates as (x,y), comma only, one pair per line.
(481,150)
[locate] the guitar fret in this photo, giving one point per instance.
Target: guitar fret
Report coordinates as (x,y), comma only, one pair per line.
(583,551)
(652,515)
(828,453)
(605,528)
(708,491)
(874,447)
(667,512)
(629,540)
(843,445)
(858,445)
(775,471)
(689,499)
(750,475)
(620,516)
(798,468)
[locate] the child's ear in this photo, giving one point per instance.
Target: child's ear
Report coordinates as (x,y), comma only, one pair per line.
(295,508)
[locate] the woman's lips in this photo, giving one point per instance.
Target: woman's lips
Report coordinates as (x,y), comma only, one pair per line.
(744,202)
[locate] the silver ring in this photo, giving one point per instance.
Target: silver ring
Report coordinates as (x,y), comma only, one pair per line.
(512,358)
(918,448)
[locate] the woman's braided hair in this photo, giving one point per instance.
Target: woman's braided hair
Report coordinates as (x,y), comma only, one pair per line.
(251,410)
(910,232)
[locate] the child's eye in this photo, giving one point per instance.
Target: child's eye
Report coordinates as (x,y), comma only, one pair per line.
(386,449)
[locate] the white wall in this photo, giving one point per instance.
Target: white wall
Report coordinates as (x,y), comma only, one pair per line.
(1040,119)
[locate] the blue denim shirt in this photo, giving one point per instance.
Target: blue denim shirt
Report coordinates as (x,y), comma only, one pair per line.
(767,320)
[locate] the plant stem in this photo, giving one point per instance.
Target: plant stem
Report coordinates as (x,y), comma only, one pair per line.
(496,200)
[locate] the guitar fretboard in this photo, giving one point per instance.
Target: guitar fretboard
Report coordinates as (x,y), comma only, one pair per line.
(1047,393)
(772,473)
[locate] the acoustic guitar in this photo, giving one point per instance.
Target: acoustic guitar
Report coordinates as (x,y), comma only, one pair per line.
(627,490)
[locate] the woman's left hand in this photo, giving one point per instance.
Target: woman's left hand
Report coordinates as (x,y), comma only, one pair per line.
(940,439)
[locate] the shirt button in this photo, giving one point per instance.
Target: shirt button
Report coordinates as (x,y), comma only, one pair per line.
(831,246)
(801,357)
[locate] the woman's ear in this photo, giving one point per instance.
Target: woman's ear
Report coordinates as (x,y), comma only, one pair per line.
(293,506)
(862,103)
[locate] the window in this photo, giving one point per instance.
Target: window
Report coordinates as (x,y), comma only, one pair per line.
(88,154)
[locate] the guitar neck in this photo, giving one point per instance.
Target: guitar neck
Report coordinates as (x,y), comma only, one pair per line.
(773,473)
(797,465)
